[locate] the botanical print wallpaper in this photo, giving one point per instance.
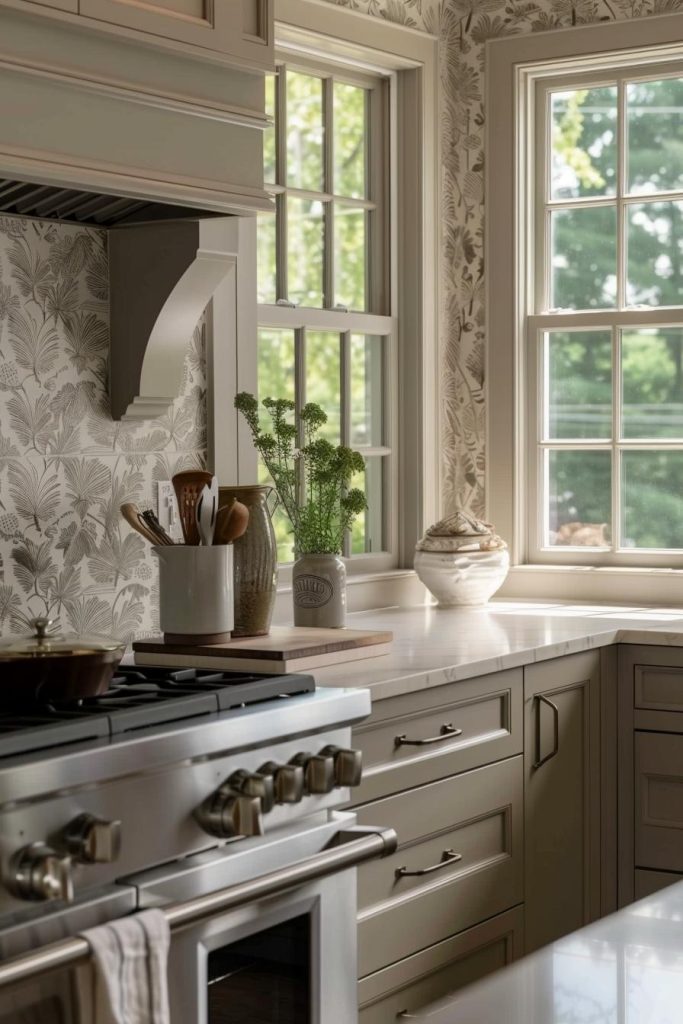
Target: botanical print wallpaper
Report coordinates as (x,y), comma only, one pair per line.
(65,465)
(463,27)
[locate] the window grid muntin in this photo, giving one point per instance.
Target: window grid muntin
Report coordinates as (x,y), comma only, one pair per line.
(618,319)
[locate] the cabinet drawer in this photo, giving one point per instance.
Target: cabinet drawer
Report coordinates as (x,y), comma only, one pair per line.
(464,837)
(658,688)
(649,882)
(659,801)
(431,734)
(412,984)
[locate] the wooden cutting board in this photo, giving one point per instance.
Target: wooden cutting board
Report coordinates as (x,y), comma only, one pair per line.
(286,649)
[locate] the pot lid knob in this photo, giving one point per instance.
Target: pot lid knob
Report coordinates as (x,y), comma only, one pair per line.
(41,626)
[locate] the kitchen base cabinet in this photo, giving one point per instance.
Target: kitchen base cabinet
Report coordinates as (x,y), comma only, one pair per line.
(412,984)
(649,882)
(562,796)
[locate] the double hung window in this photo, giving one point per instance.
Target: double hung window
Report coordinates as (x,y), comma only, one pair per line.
(325,329)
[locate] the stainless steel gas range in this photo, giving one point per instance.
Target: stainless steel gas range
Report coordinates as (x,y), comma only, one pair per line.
(212,795)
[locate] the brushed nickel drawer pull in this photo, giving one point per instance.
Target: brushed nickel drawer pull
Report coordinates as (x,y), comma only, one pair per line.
(404,1015)
(447,732)
(447,857)
(540,699)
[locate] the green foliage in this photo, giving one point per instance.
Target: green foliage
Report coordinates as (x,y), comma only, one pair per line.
(312,482)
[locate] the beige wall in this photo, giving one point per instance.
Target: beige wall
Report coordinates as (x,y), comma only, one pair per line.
(463,27)
(65,466)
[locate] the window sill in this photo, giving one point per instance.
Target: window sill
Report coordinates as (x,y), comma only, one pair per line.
(364,592)
(662,586)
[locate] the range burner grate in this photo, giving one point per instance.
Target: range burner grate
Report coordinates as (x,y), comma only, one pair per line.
(140,697)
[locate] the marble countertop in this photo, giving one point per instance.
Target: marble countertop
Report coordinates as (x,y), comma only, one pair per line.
(626,967)
(433,646)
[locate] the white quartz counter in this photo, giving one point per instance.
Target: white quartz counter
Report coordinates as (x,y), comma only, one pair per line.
(433,646)
(625,968)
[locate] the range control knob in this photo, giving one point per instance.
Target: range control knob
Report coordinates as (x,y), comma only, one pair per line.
(348,765)
(288,781)
(254,784)
(318,771)
(227,814)
(91,840)
(37,872)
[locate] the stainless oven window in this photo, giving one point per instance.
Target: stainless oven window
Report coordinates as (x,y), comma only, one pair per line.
(263,978)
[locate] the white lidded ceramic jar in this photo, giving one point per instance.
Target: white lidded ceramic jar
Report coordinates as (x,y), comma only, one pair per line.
(196,592)
(319,587)
(462,561)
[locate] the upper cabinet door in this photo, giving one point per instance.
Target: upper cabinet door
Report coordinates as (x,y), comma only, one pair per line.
(61,5)
(240,28)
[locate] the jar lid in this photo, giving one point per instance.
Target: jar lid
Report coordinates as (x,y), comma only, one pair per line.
(460,531)
(44,644)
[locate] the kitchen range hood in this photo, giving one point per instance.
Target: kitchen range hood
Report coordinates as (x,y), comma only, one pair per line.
(163,149)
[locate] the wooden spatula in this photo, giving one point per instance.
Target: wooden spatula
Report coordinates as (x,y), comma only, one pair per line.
(231,523)
(188,486)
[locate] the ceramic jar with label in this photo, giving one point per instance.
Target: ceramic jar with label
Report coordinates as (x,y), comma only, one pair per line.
(319,589)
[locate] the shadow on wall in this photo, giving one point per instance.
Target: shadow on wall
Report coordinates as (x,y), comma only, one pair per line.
(65,465)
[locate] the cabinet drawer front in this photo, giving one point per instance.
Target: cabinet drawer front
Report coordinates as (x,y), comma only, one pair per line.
(414,983)
(435,733)
(658,688)
(659,801)
(464,837)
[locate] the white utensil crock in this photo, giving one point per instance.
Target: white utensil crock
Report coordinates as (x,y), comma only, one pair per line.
(196,591)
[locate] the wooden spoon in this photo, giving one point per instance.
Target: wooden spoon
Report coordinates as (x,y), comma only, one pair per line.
(231,522)
(188,486)
(133,516)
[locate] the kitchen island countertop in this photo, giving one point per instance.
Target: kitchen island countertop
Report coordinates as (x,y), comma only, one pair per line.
(625,967)
(433,646)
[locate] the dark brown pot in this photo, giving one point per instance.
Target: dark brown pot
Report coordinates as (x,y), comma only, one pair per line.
(255,562)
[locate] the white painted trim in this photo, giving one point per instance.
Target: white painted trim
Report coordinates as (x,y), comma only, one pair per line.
(595,583)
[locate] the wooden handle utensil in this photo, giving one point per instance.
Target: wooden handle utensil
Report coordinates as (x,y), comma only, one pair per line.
(231,522)
(188,486)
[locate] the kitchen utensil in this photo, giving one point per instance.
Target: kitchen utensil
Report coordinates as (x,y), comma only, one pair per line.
(205,512)
(231,523)
(47,667)
(188,486)
(162,537)
(133,516)
(195,593)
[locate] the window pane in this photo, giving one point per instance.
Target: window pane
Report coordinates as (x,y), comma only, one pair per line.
(304,131)
(349,140)
(584,143)
(366,532)
(265,255)
(580,384)
(579,498)
(366,390)
(305,251)
(584,246)
(349,256)
(269,133)
(275,377)
(655,135)
(652,372)
(323,379)
(655,254)
(653,499)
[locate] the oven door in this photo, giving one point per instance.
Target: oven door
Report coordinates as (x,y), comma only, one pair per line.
(289,958)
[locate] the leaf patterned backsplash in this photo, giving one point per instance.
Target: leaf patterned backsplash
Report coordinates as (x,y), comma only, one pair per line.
(65,465)
(463,27)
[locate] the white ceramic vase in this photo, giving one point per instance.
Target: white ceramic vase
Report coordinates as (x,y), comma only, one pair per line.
(196,592)
(319,587)
(462,577)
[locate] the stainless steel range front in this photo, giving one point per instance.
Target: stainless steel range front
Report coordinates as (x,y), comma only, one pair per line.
(212,795)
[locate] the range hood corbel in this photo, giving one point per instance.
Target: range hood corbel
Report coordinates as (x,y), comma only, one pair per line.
(162,276)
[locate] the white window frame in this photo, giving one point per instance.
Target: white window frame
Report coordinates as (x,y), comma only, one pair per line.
(517,68)
(315,27)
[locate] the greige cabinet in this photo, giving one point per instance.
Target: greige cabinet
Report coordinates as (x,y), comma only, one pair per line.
(562,796)
(61,5)
(241,28)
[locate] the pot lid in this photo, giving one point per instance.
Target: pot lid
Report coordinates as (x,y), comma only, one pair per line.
(43,644)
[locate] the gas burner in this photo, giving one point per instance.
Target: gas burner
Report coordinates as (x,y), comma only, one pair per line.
(139,697)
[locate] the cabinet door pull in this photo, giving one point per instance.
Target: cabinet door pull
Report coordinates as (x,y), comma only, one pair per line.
(404,1015)
(447,732)
(447,857)
(556,730)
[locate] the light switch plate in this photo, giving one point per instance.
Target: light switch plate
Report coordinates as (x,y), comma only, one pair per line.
(168,510)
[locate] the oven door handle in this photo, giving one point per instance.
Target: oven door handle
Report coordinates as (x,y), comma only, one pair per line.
(347,849)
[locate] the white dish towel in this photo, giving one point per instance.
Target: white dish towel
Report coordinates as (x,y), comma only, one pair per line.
(126,981)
